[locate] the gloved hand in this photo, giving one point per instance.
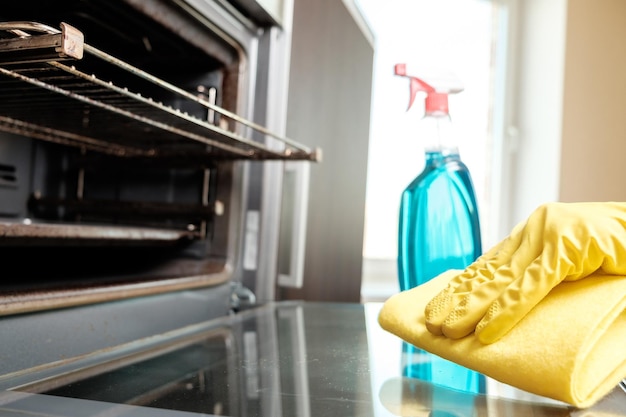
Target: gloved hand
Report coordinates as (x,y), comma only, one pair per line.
(559,242)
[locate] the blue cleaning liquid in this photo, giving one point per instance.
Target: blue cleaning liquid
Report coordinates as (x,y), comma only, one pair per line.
(439,227)
(418,363)
(439,230)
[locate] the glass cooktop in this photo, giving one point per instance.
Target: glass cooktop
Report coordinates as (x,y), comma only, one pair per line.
(292,359)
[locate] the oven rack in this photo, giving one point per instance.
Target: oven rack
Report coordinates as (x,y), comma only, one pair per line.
(26,233)
(45,95)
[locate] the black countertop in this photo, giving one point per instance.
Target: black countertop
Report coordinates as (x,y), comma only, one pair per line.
(291,359)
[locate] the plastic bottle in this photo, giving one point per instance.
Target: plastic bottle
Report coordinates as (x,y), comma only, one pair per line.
(439,227)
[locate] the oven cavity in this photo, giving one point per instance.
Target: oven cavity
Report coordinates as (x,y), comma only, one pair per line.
(120,146)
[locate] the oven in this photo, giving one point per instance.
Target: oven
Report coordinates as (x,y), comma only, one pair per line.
(152,205)
(142,159)
(138,149)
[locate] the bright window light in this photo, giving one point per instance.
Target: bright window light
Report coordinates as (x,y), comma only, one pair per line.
(459,36)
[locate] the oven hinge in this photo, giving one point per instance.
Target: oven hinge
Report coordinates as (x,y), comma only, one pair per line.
(241,297)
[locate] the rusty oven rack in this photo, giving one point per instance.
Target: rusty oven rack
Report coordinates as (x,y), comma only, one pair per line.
(43,96)
(25,233)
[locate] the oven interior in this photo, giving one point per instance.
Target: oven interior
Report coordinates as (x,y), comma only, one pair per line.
(123,165)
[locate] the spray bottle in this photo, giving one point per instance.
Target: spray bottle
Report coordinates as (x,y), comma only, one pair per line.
(439,227)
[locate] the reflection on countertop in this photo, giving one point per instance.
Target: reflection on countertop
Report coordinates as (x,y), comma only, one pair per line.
(291,359)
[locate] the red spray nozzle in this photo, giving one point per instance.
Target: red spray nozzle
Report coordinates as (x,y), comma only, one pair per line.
(436,88)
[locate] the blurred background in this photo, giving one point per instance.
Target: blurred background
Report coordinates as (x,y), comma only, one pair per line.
(541,115)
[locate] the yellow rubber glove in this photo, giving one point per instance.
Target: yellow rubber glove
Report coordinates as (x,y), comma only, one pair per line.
(559,242)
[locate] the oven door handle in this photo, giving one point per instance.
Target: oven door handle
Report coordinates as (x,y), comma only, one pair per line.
(293,224)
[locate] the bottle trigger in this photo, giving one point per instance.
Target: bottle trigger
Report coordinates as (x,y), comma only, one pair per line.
(416,84)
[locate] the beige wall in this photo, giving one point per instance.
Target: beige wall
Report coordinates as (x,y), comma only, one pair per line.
(568,106)
(593,147)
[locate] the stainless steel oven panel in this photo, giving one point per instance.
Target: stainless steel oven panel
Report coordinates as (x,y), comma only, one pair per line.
(266,60)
